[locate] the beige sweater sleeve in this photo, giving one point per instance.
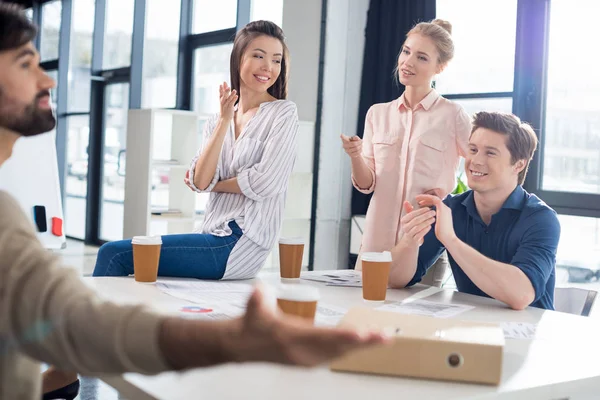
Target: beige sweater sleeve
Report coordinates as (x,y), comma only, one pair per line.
(47,313)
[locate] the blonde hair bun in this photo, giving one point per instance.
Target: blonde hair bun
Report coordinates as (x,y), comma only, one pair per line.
(439,31)
(444,24)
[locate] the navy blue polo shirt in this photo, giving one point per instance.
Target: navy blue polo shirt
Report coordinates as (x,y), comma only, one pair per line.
(524,233)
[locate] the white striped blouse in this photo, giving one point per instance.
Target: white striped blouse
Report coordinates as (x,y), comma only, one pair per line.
(262,159)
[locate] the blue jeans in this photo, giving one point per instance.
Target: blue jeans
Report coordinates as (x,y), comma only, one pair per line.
(190,255)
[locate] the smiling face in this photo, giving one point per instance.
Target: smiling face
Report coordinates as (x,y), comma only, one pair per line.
(261,64)
(489,165)
(25,106)
(418,61)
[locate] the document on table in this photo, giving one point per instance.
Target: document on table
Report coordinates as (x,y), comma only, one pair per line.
(426,308)
(220,297)
(329,315)
(222,300)
(204,286)
(200,312)
(518,330)
(343,277)
(345,284)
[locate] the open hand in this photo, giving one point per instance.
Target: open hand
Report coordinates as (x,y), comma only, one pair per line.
(227,99)
(352,145)
(285,339)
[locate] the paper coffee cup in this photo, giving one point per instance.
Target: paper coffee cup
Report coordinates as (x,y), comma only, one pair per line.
(146,255)
(291,251)
(375,275)
(299,300)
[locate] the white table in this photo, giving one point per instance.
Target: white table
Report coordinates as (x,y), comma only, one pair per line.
(564,362)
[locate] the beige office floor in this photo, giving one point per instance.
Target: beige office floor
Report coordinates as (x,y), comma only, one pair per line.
(79,256)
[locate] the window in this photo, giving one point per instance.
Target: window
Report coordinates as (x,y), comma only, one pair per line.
(578,255)
(484,39)
(572,134)
(113,181)
(117,39)
(211,69)
(212,15)
(160,60)
(50,30)
(78,133)
(484,56)
(54,93)
(270,10)
(80,62)
(472,106)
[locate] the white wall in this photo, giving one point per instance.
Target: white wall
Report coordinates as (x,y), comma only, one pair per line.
(346,21)
(345,25)
(302,27)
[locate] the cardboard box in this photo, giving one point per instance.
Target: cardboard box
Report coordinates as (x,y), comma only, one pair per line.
(425,347)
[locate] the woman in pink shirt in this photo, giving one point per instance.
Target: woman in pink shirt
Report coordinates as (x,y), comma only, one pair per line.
(411,145)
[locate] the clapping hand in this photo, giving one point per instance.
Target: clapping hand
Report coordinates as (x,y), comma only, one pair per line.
(444,228)
(227,98)
(416,223)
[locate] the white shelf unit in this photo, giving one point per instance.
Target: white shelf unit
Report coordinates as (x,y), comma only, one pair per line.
(159,139)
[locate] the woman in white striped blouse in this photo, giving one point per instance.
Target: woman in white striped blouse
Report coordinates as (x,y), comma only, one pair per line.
(247,155)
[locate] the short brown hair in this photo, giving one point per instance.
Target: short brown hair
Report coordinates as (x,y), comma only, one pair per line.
(15,28)
(521,141)
(242,40)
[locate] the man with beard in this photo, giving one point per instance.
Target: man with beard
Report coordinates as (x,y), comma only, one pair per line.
(48,315)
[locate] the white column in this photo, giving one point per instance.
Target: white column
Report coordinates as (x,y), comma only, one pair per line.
(346,22)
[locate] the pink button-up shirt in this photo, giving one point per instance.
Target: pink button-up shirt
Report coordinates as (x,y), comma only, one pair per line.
(409,152)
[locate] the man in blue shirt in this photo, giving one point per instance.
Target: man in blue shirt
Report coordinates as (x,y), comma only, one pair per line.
(501,240)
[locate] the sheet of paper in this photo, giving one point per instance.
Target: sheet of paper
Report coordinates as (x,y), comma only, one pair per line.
(345,284)
(203,312)
(234,298)
(426,308)
(223,299)
(328,315)
(335,277)
(518,330)
(422,294)
(204,286)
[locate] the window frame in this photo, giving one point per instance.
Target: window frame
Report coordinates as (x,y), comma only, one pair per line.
(190,42)
(529,103)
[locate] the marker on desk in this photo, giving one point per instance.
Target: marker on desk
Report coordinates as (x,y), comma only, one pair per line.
(39,217)
(57,224)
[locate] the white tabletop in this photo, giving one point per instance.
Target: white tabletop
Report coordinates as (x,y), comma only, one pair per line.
(562,361)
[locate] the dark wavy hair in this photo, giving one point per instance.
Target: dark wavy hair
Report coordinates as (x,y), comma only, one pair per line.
(15,28)
(242,40)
